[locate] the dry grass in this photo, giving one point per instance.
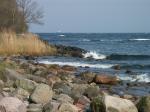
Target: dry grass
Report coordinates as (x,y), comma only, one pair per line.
(27,44)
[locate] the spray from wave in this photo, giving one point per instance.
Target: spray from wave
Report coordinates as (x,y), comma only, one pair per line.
(136,78)
(94,55)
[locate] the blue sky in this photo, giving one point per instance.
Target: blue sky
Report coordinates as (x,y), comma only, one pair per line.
(94,16)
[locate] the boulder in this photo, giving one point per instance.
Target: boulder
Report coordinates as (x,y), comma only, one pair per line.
(13,75)
(42,94)
(106,79)
(51,107)
(22,94)
(87,76)
(35,108)
(26,84)
(83,103)
(11,104)
(78,90)
(52,79)
(63,98)
(69,68)
(62,87)
(70,51)
(92,91)
(108,103)
(144,104)
(67,107)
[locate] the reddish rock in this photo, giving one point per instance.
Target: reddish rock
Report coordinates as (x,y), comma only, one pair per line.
(105,79)
(82,103)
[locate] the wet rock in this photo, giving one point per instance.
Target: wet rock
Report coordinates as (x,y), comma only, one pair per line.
(105,79)
(108,103)
(67,107)
(11,104)
(144,104)
(51,107)
(117,67)
(70,51)
(42,94)
(26,84)
(35,108)
(92,91)
(88,76)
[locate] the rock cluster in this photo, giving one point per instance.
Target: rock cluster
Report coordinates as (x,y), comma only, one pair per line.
(26,86)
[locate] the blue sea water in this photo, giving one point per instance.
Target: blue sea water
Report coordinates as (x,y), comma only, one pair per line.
(129,50)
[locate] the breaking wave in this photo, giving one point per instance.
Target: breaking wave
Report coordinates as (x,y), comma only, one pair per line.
(136,78)
(77,64)
(94,55)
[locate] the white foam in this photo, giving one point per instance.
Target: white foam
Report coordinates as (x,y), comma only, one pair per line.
(118,40)
(77,64)
(61,35)
(86,40)
(94,55)
(140,39)
(139,78)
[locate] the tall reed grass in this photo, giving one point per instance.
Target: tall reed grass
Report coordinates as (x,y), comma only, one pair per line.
(25,44)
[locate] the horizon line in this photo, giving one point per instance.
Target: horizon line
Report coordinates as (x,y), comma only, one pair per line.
(97,32)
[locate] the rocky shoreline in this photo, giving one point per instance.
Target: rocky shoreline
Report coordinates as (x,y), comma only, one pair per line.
(27,86)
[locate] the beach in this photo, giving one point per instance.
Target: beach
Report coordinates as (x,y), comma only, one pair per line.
(78,79)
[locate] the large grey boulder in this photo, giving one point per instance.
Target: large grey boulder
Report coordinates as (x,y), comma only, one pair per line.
(108,103)
(26,84)
(11,104)
(64,98)
(42,94)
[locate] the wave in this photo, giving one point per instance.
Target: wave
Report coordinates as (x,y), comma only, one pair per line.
(136,66)
(77,64)
(136,78)
(128,57)
(61,35)
(139,39)
(94,55)
(118,40)
(85,40)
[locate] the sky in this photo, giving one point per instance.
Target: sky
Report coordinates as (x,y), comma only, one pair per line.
(94,16)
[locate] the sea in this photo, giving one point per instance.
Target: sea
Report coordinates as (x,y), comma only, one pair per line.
(131,51)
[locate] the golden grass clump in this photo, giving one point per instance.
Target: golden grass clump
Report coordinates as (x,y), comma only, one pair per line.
(25,44)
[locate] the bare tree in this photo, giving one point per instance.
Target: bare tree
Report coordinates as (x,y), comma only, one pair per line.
(18,14)
(30,11)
